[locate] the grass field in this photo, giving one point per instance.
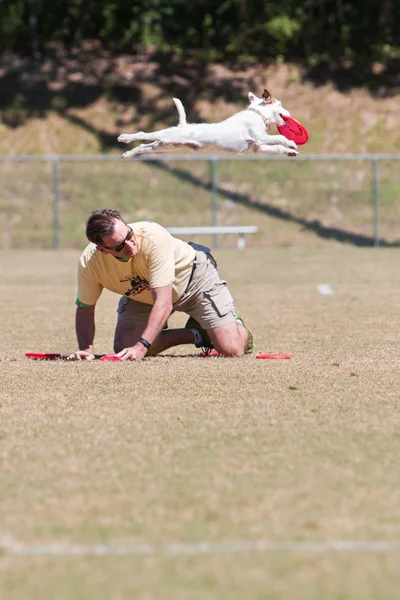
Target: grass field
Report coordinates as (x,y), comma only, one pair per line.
(182,477)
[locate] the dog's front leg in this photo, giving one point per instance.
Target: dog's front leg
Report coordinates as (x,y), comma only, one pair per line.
(277,139)
(276,149)
(142,149)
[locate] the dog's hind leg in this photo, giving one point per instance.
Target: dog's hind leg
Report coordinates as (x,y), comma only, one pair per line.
(127,138)
(191,145)
(142,149)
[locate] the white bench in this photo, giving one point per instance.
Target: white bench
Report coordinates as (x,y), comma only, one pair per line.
(240,230)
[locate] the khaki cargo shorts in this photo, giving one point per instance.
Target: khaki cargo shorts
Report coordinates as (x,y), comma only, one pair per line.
(206,299)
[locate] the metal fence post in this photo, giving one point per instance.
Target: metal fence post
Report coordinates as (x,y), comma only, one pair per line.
(375,199)
(214,205)
(56,203)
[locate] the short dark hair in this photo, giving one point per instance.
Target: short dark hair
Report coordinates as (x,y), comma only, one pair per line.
(100,223)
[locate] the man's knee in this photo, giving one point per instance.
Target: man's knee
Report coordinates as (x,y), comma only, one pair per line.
(227,340)
(232,351)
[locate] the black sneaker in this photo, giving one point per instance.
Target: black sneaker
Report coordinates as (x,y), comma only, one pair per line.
(204,341)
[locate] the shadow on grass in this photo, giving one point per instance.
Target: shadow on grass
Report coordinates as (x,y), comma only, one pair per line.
(166,355)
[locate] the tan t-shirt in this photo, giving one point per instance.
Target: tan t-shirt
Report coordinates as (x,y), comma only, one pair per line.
(161,260)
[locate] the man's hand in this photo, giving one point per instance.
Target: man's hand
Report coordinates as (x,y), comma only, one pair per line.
(136,352)
(81,355)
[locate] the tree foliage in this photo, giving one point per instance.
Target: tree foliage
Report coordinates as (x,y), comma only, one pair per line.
(311,31)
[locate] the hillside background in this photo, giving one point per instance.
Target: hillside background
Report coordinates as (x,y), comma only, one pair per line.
(78,101)
(74,74)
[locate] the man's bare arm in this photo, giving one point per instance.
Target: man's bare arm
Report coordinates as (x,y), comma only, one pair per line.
(85,329)
(159,313)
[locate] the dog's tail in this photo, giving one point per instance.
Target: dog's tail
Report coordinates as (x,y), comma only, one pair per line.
(181,112)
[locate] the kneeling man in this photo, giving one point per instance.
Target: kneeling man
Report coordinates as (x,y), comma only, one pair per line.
(155,274)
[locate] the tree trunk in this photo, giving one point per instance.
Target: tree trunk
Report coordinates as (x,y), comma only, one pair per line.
(33,27)
(384,12)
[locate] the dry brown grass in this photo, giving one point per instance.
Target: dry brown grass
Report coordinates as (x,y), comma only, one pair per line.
(190,449)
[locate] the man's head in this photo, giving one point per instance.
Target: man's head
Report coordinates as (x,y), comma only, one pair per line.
(108,230)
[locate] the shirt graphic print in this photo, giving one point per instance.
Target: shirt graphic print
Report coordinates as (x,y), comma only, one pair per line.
(138,285)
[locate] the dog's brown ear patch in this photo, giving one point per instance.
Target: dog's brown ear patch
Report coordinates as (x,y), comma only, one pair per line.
(267,97)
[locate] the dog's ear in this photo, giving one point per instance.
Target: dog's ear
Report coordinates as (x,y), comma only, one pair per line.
(267,97)
(253,98)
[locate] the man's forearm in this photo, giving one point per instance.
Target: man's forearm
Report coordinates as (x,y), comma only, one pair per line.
(157,318)
(85,327)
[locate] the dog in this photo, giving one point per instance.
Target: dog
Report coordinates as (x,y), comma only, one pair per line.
(245,130)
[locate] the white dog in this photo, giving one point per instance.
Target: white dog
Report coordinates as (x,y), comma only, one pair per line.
(245,130)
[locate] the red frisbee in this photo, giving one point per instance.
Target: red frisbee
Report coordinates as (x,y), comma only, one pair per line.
(42,356)
(56,356)
(265,356)
(110,357)
(293,130)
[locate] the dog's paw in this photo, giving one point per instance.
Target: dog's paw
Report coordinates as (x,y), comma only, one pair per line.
(292,153)
(292,144)
(128,154)
(126,138)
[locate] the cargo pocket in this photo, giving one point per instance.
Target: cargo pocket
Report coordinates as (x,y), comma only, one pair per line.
(220,298)
(122,304)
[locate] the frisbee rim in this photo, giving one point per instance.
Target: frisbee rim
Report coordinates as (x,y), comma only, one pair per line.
(110,358)
(281,129)
(42,355)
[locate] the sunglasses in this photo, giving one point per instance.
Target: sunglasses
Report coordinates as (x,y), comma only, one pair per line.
(121,244)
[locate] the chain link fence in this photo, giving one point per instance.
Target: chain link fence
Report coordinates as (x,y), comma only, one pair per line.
(44,200)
